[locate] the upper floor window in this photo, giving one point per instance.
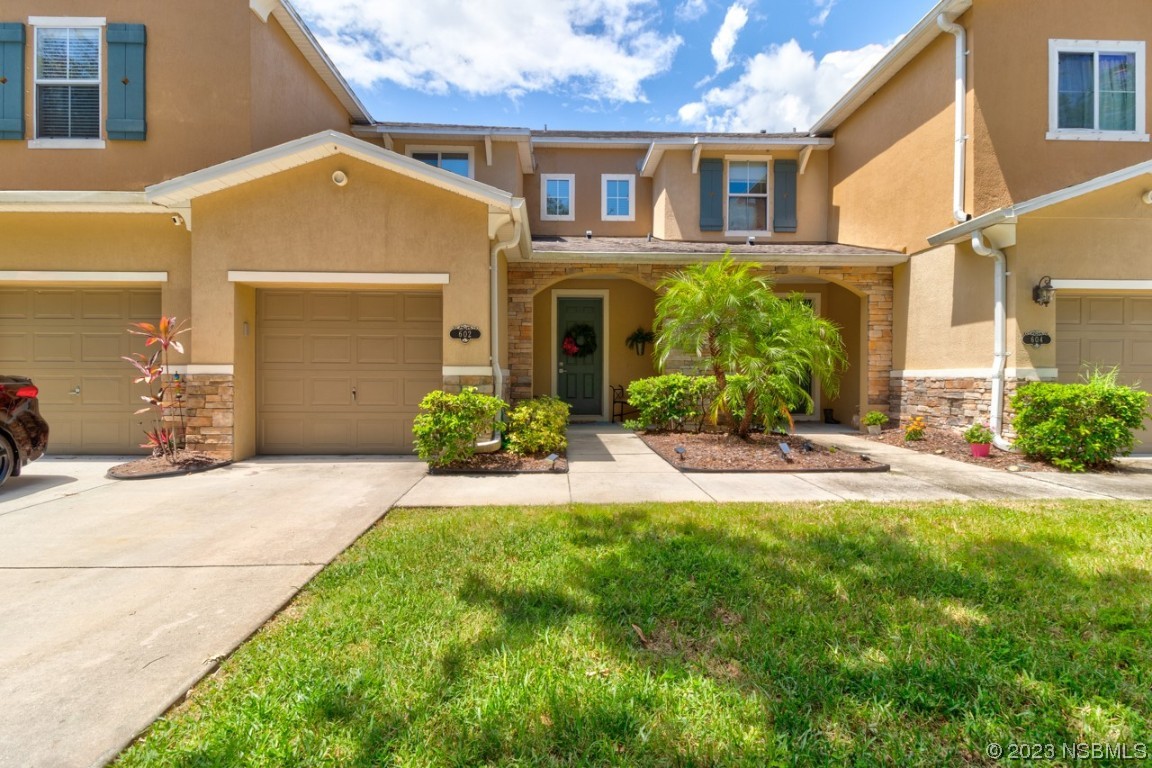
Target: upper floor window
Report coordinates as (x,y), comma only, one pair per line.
(557,193)
(617,197)
(747,196)
(1097,90)
(454,159)
(67,78)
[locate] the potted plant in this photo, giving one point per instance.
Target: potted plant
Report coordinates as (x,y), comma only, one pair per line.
(979,437)
(874,420)
(639,339)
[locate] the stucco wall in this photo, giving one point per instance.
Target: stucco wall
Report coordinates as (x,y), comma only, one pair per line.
(891,168)
(676,197)
(103,243)
(289,100)
(945,299)
(299,220)
(198,75)
(588,165)
(1014,160)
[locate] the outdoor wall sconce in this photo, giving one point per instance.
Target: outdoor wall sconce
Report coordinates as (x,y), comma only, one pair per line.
(751,239)
(588,235)
(1043,291)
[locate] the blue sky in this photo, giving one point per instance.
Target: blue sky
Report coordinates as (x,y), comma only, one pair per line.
(669,65)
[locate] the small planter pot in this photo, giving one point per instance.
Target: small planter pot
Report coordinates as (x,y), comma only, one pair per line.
(873,429)
(980,450)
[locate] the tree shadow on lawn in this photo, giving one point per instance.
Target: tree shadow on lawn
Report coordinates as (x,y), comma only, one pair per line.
(768,639)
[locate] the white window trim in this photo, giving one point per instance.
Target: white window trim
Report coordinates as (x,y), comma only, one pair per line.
(57,22)
(440,149)
(1055,48)
(544,179)
(607,177)
(767,196)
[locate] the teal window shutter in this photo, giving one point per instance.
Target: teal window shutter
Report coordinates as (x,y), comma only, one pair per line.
(711,195)
(784,201)
(126,43)
(11,81)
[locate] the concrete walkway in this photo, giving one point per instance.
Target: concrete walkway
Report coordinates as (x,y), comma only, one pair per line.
(609,464)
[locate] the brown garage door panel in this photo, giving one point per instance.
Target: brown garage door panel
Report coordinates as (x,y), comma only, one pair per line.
(70,341)
(342,372)
(1105,332)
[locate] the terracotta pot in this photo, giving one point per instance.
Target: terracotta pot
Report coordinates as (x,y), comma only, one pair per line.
(980,450)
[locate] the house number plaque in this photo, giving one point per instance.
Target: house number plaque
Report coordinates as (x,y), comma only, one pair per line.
(1037,339)
(464,333)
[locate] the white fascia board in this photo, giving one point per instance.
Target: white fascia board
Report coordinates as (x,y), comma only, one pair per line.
(906,49)
(53,201)
(65,276)
(181,190)
(1012,213)
(337,278)
(302,37)
(805,260)
(442,131)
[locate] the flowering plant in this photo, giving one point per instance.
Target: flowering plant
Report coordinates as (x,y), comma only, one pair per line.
(978,434)
(914,430)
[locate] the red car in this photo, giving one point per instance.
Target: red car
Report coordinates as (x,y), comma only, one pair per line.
(23,431)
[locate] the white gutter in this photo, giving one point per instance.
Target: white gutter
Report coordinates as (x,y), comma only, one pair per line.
(947,22)
(1000,332)
(492,445)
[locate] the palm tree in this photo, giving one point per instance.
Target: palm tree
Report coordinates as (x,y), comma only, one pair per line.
(763,350)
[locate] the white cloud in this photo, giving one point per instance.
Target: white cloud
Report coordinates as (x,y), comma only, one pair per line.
(602,49)
(725,40)
(781,89)
(823,9)
(691,10)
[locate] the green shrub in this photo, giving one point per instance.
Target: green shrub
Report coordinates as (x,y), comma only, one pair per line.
(538,426)
(1078,426)
(673,400)
(875,419)
(448,426)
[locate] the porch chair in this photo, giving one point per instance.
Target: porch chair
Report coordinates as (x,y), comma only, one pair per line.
(620,406)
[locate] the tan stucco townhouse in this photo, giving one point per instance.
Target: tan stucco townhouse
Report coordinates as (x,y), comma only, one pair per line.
(212,164)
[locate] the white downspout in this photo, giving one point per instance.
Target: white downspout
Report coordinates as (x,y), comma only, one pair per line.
(949,25)
(493,445)
(1000,331)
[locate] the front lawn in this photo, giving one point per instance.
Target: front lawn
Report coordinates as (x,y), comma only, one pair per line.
(658,635)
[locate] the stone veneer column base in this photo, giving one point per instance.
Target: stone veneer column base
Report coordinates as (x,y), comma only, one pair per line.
(454,385)
(949,402)
(209,403)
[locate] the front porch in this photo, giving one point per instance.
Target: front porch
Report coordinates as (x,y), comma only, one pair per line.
(856,298)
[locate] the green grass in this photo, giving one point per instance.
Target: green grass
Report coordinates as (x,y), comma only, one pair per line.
(772,635)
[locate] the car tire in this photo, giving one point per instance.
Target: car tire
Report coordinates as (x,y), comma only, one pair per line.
(7,459)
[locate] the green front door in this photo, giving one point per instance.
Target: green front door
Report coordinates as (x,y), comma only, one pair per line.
(580,354)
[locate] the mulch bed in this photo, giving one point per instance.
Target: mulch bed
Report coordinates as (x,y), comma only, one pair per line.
(949,443)
(502,463)
(711,452)
(184,463)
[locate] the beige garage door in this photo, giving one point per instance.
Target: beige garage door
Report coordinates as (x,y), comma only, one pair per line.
(1106,331)
(342,372)
(70,341)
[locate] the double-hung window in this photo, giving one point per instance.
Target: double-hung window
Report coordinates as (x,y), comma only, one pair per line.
(747,196)
(454,159)
(68,72)
(557,197)
(617,197)
(1097,90)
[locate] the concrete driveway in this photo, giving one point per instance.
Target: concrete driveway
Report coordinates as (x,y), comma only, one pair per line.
(116,596)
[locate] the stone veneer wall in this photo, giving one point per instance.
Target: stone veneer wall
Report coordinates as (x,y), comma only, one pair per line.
(209,404)
(456,384)
(526,279)
(949,402)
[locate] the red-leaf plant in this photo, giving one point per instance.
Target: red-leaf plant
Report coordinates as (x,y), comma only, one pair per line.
(165,396)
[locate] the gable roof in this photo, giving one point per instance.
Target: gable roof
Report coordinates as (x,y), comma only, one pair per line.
(1011,213)
(180,191)
(304,40)
(904,51)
